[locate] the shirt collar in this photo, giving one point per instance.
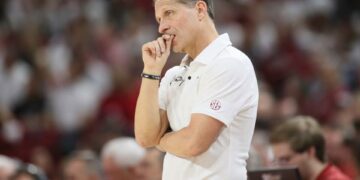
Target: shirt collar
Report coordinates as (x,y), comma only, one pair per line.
(210,52)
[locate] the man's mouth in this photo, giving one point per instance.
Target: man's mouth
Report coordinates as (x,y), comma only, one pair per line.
(168,36)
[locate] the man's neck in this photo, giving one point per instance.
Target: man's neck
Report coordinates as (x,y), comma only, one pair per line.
(202,40)
(315,169)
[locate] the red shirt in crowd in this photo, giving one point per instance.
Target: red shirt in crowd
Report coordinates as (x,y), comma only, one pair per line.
(331,172)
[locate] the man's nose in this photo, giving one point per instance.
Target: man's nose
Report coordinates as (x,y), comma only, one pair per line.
(163,27)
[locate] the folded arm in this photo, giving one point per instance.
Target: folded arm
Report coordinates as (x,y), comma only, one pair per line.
(194,139)
(151,122)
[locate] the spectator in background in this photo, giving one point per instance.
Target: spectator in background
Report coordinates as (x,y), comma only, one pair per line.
(120,158)
(14,76)
(83,165)
(356,145)
(41,157)
(73,104)
(340,145)
(28,172)
(300,142)
(11,130)
(151,166)
(8,166)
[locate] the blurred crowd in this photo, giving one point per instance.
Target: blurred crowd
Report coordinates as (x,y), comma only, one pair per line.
(70,73)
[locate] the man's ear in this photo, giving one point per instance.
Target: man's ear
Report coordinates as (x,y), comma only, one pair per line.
(201,8)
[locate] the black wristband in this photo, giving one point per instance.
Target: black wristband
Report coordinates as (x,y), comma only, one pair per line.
(150,76)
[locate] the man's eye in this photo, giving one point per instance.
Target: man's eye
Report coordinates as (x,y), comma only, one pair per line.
(168,12)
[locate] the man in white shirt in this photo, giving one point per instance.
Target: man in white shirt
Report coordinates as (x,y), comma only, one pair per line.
(209,101)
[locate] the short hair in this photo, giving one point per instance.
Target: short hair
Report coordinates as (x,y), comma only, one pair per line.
(125,151)
(91,161)
(302,133)
(31,170)
(210,5)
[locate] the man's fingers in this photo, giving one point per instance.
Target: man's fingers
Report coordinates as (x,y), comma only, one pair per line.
(160,46)
(148,47)
(166,36)
(157,48)
(169,42)
(161,42)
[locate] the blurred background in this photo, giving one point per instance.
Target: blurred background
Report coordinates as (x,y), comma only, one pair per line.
(70,72)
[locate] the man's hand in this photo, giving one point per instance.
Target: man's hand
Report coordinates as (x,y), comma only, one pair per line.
(156,53)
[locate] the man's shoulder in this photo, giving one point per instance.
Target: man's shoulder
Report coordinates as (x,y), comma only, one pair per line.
(233,58)
(232,54)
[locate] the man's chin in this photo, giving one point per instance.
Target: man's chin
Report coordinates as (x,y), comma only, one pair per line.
(177,50)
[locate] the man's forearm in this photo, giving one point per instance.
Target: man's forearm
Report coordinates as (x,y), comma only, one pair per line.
(148,124)
(194,139)
(181,143)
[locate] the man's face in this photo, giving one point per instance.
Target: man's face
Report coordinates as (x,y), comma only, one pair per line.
(111,170)
(24,177)
(284,156)
(151,166)
(179,20)
(5,173)
(75,170)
